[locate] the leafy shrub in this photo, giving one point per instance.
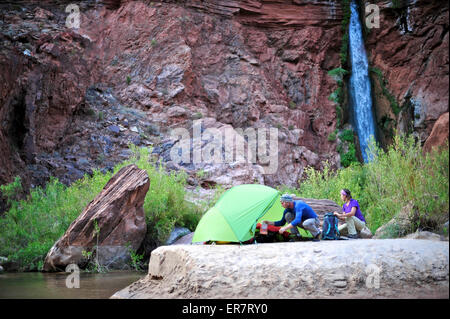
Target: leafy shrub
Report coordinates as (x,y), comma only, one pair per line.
(338,73)
(197,115)
(394,178)
(332,136)
(30,227)
(344,49)
(347,135)
(335,96)
(292,105)
(397,4)
(350,157)
(12,190)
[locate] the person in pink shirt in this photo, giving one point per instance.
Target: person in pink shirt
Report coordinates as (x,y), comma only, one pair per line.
(351,214)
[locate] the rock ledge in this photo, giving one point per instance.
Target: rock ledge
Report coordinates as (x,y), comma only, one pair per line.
(407,269)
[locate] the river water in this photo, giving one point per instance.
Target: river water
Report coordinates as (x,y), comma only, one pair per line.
(32,285)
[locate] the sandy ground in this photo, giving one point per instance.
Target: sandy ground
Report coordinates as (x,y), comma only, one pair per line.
(391,268)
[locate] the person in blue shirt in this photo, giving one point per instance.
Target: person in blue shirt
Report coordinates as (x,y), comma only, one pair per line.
(297,213)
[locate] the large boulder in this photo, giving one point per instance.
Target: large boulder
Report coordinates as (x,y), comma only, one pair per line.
(423,235)
(400,225)
(439,134)
(391,268)
(176,234)
(185,240)
(118,214)
(321,206)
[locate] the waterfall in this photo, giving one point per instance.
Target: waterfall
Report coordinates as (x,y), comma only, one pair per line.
(360,90)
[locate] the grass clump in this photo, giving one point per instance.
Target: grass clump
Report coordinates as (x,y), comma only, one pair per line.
(346,135)
(400,175)
(292,105)
(338,73)
(344,26)
(349,157)
(332,136)
(337,96)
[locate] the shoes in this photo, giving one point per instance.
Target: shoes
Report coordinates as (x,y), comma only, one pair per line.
(317,237)
(353,236)
(296,238)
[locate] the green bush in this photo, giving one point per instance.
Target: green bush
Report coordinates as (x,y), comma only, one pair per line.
(30,227)
(349,158)
(339,114)
(347,135)
(11,191)
(332,136)
(346,14)
(197,115)
(344,49)
(400,175)
(292,105)
(335,96)
(338,73)
(164,204)
(397,4)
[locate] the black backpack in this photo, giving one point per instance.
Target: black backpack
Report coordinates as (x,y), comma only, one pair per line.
(330,229)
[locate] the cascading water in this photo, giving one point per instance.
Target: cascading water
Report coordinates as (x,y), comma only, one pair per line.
(360,90)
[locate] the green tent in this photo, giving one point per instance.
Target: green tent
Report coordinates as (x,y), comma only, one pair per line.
(236,213)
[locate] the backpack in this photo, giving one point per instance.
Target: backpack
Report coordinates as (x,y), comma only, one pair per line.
(330,229)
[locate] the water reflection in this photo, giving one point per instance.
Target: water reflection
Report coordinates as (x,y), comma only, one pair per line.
(53,285)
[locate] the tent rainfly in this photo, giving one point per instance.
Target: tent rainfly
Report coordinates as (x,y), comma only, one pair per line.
(235,215)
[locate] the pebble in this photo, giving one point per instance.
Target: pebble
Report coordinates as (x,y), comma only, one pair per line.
(114,129)
(340,284)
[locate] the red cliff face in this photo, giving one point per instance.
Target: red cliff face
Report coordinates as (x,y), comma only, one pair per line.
(44,78)
(411,50)
(246,64)
(143,68)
